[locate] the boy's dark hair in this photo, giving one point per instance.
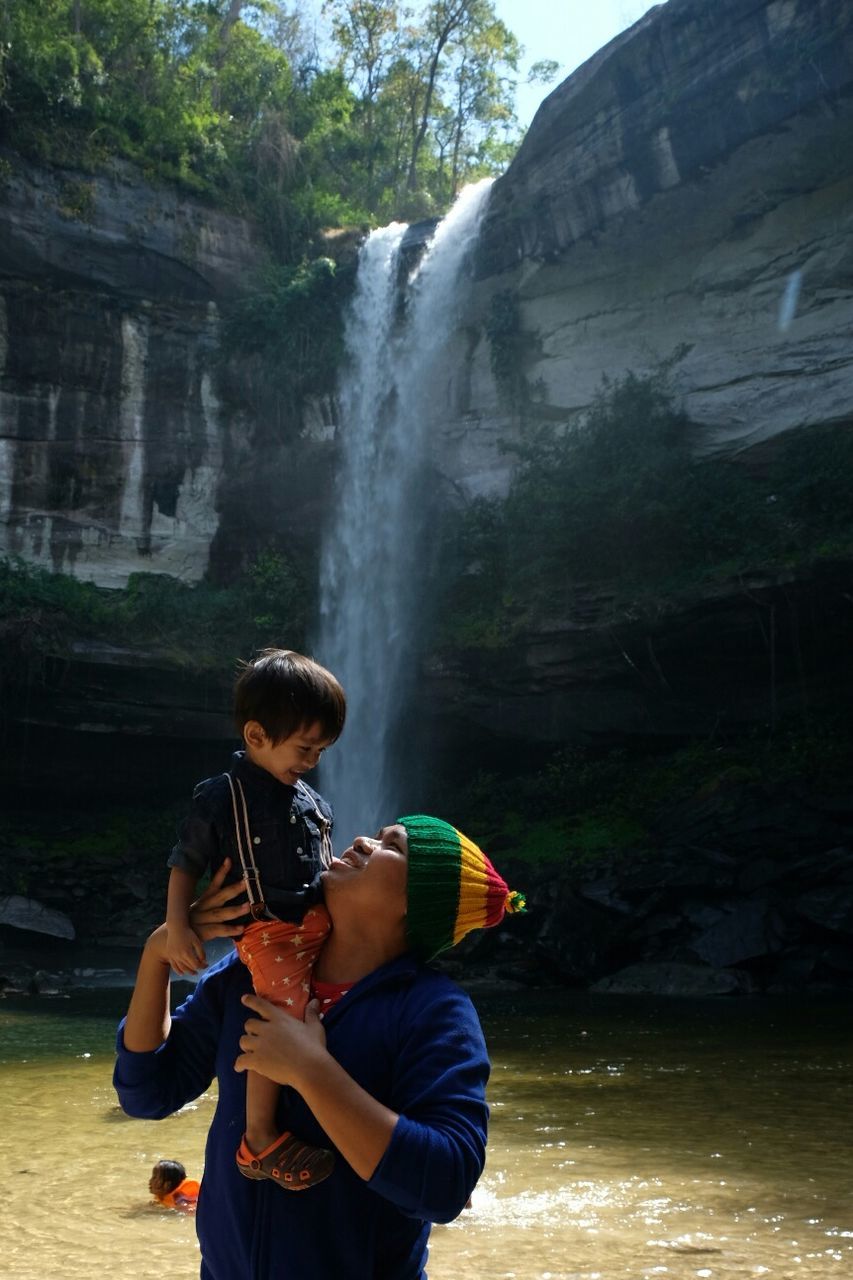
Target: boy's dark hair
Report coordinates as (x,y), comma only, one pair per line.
(285,691)
(172,1171)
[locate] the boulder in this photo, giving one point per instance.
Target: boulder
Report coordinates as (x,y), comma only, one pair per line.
(747,931)
(672,979)
(26,913)
(577,940)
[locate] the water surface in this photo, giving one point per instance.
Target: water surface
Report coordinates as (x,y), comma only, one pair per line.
(630,1140)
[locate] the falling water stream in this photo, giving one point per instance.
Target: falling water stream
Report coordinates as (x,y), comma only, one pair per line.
(392,397)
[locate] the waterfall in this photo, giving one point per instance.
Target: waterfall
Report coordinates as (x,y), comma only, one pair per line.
(392,396)
(134,338)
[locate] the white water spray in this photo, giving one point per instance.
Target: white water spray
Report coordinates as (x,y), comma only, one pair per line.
(392,397)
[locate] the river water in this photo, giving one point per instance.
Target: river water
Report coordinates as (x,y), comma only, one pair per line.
(630,1140)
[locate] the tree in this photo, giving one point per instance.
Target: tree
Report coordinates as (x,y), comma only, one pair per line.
(229,99)
(482,96)
(367,36)
(443,18)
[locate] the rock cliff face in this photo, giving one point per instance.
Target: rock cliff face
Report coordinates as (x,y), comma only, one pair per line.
(112,438)
(686,196)
(683,199)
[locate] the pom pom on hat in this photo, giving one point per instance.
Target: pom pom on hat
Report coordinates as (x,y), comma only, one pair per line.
(452,887)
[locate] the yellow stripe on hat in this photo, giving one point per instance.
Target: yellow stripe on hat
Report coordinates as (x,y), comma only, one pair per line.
(472,911)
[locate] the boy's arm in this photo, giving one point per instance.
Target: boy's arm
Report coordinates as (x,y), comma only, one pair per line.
(180,897)
(183,945)
(148,1018)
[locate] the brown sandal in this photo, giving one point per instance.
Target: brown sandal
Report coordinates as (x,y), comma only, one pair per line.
(292,1164)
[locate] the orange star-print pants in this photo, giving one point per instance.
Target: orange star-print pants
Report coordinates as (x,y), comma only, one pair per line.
(280,957)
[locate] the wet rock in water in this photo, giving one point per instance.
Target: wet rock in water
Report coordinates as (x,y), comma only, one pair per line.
(18,979)
(795,967)
(44,983)
(672,978)
(26,913)
(15,979)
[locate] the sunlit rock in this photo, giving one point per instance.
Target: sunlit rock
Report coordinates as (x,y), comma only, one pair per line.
(26,913)
(663,200)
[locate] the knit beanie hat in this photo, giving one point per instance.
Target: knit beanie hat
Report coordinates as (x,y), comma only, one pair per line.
(452,887)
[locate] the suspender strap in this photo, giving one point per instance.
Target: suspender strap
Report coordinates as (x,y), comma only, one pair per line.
(245,847)
(252,880)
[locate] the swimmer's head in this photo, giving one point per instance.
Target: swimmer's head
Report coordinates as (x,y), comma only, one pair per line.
(165,1176)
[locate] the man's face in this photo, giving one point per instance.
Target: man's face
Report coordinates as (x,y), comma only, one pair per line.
(372,874)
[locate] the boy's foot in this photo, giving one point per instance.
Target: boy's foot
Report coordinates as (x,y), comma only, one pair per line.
(292,1164)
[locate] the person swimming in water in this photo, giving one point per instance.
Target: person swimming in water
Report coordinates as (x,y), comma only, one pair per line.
(170,1186)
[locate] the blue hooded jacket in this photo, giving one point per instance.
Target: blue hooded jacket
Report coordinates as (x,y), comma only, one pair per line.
(406,1034)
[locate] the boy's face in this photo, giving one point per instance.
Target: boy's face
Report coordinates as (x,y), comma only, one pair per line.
(289,759)
(158,1183)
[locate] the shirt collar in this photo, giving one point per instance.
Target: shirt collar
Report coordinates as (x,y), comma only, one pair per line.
(252,774)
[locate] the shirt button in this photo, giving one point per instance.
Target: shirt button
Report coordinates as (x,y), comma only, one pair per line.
(293,817)
(257,840)
(299,848)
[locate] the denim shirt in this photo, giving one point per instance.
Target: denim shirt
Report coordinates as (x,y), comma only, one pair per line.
(285,833)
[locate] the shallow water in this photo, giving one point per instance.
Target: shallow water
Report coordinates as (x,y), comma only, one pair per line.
(629,1139)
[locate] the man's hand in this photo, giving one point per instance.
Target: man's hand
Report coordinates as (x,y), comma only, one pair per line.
(278,1046)
(210,917)
(211,914)
(290,1052)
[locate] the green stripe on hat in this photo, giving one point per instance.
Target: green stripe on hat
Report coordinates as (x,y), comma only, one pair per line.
(434,864)
(452,887)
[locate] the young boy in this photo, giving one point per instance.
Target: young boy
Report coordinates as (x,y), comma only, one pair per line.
(274,830)
(170,1185)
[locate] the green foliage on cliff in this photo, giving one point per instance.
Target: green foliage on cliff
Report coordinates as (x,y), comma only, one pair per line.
(201,625)
(234,100)
(177,87)
(621,502)
(592,809)
(294,318)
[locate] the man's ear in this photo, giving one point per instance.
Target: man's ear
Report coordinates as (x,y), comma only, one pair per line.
(254,734)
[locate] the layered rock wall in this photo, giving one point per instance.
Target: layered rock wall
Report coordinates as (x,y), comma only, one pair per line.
(112,437)
(684,198)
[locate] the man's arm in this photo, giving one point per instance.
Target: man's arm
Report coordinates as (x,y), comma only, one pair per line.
(148,1018)
(424,1157)
(295,1053)
(427,1157)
